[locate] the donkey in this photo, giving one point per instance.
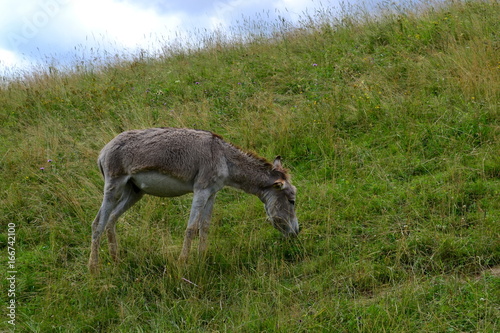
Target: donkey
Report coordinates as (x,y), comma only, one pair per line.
(170,162)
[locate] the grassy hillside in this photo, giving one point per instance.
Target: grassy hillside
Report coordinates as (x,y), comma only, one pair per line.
(390,126)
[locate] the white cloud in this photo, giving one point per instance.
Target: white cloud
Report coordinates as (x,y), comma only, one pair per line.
(8,58)
(11,63)
(42,29)
(123,22)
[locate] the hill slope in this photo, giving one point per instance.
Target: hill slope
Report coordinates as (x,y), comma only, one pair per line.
(389,124)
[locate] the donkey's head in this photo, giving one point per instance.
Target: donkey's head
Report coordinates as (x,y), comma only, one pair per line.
(279,200)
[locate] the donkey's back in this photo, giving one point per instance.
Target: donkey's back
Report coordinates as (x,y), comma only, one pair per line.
(173,151)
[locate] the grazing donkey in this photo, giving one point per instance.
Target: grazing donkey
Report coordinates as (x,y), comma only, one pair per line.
(169,162)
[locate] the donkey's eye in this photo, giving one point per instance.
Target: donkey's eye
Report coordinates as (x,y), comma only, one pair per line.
(292,202)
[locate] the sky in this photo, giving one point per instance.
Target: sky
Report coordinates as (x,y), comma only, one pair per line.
(59,31)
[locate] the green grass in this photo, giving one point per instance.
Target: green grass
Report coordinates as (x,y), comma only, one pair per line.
(390,125)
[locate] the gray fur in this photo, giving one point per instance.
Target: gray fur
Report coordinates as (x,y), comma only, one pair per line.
(170,162)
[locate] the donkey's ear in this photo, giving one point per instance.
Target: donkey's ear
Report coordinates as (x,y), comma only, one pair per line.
(277,163)
(279,184)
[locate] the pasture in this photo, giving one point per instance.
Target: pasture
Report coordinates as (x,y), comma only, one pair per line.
(389,124)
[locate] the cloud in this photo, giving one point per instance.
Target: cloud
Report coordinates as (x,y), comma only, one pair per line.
(127,24)
(42,30)
(12,64)
(65,22)
(39,29)
(9,58)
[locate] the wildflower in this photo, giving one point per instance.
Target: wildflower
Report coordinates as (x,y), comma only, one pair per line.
(42,168)
(197,82)
(49,160)
(315,65)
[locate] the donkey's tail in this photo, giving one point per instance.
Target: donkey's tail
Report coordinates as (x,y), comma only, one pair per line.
(99,163)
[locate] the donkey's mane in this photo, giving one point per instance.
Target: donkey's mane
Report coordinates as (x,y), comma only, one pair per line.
(259,160)
(252,155)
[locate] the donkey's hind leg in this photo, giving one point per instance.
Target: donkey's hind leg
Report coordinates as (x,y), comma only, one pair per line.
(117,198)
(129,197)
(94,248)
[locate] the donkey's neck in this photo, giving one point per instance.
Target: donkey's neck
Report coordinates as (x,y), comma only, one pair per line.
(248,172)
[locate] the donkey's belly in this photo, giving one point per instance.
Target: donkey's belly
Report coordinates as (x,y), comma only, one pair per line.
(160,185)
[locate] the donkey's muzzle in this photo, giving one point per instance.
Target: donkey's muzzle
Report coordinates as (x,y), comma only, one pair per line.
(293,233)
(290,231)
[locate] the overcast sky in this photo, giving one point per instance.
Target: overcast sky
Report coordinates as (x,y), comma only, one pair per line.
(43,30)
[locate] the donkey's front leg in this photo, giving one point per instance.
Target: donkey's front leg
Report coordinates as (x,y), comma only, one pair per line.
(201,200)
(205,224)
